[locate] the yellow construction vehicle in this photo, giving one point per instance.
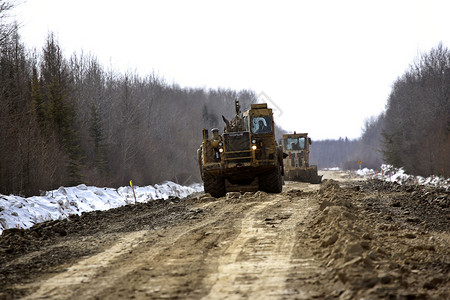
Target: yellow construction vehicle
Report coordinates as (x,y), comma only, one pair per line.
(297,167)
(245,152)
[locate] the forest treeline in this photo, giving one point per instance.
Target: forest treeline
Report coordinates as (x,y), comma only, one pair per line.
(416,125)
(345,153)
(65,121)
(414,130)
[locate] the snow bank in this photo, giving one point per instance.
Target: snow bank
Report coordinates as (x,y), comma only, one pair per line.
(331,169)
(389,173)
(19,212)
(365,172)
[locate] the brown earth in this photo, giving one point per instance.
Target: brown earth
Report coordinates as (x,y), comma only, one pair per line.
(343,239)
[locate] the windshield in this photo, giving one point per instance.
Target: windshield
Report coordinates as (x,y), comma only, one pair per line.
(262,124)
(294,143)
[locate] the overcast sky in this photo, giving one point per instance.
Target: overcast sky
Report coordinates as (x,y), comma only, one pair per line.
(327,65)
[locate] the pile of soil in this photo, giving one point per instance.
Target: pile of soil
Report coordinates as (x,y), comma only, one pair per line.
(382,240)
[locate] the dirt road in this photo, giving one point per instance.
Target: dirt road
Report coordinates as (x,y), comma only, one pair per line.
(344,239)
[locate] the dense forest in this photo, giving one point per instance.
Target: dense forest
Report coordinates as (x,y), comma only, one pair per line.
(65,121)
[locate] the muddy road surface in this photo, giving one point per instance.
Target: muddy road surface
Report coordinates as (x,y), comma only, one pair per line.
(343,239)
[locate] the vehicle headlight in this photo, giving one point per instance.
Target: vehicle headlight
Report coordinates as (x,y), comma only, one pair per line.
(254,147)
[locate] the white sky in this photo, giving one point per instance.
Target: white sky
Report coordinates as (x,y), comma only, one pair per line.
(328,65)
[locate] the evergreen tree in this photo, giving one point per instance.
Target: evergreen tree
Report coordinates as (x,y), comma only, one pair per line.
(60,109)
(38,100)
(391,149)
(97,135)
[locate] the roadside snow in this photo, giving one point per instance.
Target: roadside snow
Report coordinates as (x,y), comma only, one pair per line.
(332,169)
(365,172)
(391,174)
(20,212)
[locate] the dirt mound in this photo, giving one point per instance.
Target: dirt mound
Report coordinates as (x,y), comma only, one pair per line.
(329,184)
(331,194)
(410,205)
(371,254)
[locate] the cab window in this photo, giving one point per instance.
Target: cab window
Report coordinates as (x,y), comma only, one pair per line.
(295,143)
(301,142)
(261,124)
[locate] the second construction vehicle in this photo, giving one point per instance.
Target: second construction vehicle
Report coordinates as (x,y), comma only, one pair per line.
(246,151)
(297,167)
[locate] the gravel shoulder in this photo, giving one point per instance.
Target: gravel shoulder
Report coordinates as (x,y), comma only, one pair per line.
(343,239)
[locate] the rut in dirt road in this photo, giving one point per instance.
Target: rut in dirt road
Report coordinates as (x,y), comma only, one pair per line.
(243,251)
(258,261)
(64,285)
(119,271)
(232,248)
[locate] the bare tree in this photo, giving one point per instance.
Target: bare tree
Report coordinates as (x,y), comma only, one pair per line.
(7,27)
(418,109)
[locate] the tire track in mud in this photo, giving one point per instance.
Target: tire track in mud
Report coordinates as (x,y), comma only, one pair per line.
(64,285)
(258,262)
(134,264)
(178,271)
(233,249)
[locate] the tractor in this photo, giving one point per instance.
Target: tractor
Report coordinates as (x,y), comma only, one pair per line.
(297,167)
(244,153)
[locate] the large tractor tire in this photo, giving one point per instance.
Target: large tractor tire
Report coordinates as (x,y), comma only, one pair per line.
(271,182)
(314,176)
(215,185)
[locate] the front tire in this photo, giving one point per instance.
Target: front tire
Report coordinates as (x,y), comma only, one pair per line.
(215,185)
(271,182)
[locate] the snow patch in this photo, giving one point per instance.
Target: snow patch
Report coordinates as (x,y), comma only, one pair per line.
(20,212)
(392,174)
(332,169)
